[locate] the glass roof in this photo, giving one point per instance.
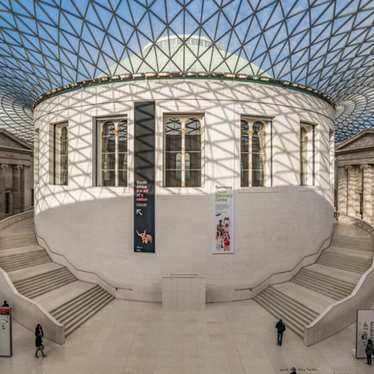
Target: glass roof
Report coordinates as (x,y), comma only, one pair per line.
(327,45)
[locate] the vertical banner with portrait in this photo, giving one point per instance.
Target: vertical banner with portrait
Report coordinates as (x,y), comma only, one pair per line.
(224,220)
(144,177)
(364,330)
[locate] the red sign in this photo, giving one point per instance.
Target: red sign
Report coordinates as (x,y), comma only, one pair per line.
(4,310)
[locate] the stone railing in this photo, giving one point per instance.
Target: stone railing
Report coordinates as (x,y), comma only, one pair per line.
(283,276)
(16,218)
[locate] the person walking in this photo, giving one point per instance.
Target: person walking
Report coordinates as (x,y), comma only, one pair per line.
(369,351)
(39,335)
(281,328)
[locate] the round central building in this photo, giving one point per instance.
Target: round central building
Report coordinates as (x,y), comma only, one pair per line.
(150,174)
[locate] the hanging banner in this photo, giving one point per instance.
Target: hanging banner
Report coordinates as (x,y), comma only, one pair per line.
(364,330)
(224,220)
(5,332)
(144,177)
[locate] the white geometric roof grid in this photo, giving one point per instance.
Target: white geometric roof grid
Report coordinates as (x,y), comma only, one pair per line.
(327,45)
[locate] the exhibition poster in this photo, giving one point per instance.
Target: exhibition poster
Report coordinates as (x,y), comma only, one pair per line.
(223,220)
(5,332)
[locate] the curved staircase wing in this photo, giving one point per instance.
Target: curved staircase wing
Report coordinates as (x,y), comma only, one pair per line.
(42,290)
(305,301)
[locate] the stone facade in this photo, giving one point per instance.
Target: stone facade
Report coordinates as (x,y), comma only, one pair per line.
(355,176)
(16,182)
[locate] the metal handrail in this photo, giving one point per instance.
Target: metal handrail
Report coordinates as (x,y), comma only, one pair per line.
(320,249)
(39,237)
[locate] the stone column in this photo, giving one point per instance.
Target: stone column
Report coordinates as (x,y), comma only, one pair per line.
(15,190)
(368,190)
(21,188)
(342,190)
(353,204)
(2,189)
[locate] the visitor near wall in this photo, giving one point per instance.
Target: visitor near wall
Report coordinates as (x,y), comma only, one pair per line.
(369,351)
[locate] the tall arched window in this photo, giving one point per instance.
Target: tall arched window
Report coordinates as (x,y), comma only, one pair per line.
(64,155)
(258,154)
(112,152)
(307,154)
(253,152)
(182,151)
(59,137)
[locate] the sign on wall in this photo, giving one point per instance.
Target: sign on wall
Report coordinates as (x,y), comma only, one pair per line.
(364,330)
(224,220)
(5,332)
(144,176)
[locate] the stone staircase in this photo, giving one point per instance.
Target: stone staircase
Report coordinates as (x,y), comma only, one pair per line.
(314,288)
(70,301)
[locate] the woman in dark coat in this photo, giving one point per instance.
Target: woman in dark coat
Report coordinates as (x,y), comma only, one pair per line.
(369,351)
(39,335)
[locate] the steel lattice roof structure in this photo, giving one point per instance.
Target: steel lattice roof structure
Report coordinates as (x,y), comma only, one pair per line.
(325,45)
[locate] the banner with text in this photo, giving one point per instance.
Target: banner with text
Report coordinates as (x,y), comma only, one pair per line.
(224,220)
(5,332)
(144,180)
(364,330)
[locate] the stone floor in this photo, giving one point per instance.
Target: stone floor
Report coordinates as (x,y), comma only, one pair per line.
(139,338)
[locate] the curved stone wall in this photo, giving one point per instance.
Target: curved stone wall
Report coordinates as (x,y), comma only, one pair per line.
(274,226)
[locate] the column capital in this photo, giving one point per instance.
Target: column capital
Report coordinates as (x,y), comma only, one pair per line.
(4,166)
(364,166)
(348,167)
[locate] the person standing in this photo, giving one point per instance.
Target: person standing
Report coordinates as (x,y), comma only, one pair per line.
(281,328)
(5,304)
(369,351)
(39,335)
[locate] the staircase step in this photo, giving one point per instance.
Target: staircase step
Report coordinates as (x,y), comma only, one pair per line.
(43,283)
(359,243)
(24,260)
(298,329)
(40,278)
(84,318)
(19,275)
(68,319)
(19,250)
(53,299)
(360,255)
(344,275)
(75,302)
(306,297)
(279,302)
(321,286)
(349,263)
(278,296)
(295,314)
(325,280)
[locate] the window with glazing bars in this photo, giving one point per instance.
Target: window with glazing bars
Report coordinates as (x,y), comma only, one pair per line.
(112,152)
(59,162)
(307,154)
(182,151)
(252,152)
